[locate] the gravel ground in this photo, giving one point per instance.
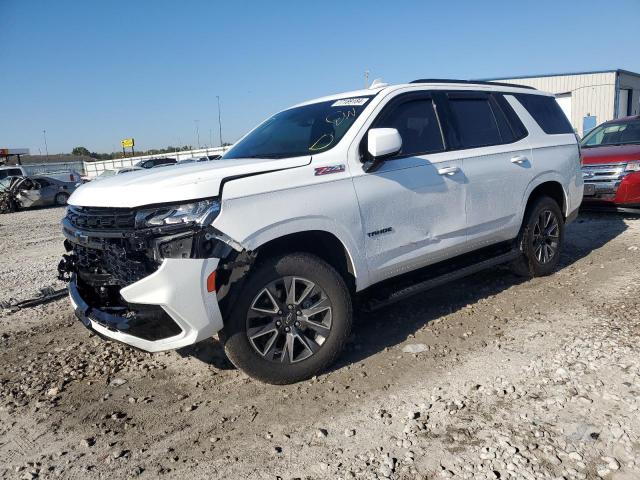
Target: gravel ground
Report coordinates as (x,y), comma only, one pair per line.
(488,378)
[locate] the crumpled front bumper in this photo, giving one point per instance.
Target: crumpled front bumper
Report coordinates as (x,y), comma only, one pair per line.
(179,287)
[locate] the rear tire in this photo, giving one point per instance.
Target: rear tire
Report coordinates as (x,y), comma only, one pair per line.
(272,332)
(61,199)
(540,239)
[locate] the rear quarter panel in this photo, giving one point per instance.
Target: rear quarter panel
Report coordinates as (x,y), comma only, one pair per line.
(554,158)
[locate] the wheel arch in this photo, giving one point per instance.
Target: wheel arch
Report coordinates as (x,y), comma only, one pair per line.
(323,244)
(233,271)
(551,187)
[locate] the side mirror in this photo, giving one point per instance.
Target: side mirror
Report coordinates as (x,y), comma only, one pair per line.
(383,142)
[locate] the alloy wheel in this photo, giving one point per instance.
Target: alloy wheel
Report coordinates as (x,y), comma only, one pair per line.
(289,320)
(546,236)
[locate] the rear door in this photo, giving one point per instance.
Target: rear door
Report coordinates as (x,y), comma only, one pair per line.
(413,205)
(496,159)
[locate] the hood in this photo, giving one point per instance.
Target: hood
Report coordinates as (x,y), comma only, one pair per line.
(610,154)
(176,183)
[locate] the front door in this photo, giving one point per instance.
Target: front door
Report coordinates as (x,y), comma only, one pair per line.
(413,205)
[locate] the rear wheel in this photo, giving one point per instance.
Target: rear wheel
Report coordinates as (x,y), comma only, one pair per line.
(61,198)
(540,239)
(290,321)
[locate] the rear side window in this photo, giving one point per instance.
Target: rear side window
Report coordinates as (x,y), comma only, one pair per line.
(546,112)
(417,123)
(476,124)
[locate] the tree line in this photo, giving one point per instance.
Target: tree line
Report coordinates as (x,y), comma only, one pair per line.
(83,151)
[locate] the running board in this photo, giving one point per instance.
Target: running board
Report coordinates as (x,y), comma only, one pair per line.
(390,296)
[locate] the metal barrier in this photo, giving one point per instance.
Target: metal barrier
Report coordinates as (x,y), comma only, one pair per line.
(56,167)
(93,169)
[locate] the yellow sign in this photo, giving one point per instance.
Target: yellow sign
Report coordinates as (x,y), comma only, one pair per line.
(127,143)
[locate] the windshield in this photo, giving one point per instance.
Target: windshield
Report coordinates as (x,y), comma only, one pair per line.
(620,133)
(301,130)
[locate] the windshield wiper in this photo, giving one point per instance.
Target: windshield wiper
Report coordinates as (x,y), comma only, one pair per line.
(266,155)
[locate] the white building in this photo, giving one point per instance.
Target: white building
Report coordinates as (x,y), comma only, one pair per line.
(589,98)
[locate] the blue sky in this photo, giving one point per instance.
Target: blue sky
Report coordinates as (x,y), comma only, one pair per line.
(92,73)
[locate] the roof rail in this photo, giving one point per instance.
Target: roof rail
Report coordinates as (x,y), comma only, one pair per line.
(473,82)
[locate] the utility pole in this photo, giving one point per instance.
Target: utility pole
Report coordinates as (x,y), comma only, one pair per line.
(366,79)
(198,131)
(44,134)
(219,121)
(210,138)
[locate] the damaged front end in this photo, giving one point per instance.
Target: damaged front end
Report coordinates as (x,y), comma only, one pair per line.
(145,276)
(9,194)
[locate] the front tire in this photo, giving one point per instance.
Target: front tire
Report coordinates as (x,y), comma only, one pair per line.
(290,321)
(540,240)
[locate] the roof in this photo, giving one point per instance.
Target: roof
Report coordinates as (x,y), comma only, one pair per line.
(439,83)
(470,82)
(628,118)
(627,72)
(5,152)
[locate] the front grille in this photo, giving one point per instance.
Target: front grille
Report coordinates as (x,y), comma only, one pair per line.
(606,178)
(99,218)
(111,265)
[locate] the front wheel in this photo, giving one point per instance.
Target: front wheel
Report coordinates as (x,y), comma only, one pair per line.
(61,198)
(540,239)
(290,321)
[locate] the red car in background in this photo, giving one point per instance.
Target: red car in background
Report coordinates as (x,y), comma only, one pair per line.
(611,165)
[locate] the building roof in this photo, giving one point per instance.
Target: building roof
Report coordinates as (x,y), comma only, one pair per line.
(627,72)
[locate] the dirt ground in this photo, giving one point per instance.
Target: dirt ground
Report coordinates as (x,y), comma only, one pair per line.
(509,379)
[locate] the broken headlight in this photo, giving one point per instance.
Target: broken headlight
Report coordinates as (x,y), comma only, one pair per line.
(200,212)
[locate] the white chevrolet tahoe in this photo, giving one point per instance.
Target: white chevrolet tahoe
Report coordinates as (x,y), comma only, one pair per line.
(372,195)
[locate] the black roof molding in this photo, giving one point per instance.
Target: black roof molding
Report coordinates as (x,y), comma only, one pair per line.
(470,82)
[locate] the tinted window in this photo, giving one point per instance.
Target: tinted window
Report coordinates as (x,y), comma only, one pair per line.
(10,172)
(517,127)
(475,121)
(546,112)
(417,123)
(506,134)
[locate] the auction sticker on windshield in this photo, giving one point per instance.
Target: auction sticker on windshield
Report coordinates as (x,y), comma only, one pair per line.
(349,102)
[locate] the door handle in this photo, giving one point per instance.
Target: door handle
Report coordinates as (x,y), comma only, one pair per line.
(519,159)
(448,171)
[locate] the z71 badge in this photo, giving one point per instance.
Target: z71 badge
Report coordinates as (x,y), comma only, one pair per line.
(329,170)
